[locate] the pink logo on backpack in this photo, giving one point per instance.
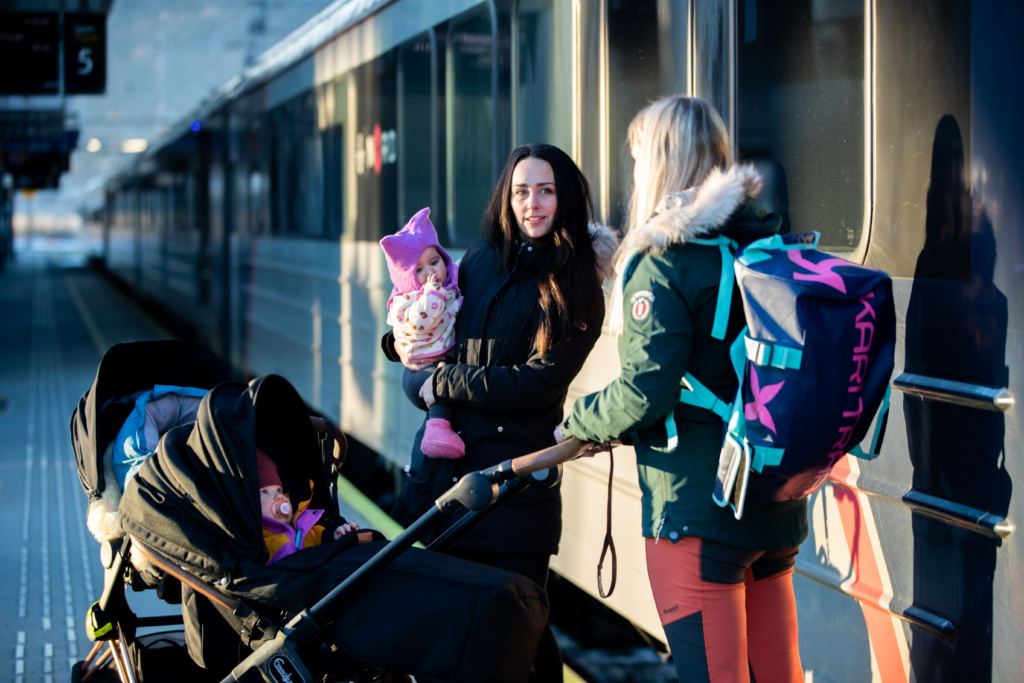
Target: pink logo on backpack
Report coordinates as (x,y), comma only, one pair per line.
(758,408)
(820,272)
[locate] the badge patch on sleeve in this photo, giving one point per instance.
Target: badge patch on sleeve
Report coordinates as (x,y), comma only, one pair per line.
(640,305)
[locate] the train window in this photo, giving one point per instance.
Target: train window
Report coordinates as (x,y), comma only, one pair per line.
(375,153)
(646,61)
(284,178)
(420,133)
(543,73)
(312,185)
(191,196)
(296,163)
(470,125)
(801,112)
(253,195)
(146,205)
(256,193)
(332,138)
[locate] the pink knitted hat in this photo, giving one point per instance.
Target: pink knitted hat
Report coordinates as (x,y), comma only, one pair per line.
(403,249)
(266,470)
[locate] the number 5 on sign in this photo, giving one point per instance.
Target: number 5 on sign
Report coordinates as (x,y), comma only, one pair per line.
(85,61)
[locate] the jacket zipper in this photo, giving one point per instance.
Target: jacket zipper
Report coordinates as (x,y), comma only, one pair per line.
(661,524)
(518,252)
(664,511)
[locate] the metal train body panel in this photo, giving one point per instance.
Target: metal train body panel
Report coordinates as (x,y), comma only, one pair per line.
(891,127)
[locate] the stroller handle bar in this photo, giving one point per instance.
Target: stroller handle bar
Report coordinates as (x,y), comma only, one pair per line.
(478,490)
(570,449)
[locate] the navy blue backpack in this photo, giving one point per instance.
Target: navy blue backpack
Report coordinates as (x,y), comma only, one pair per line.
(813,363)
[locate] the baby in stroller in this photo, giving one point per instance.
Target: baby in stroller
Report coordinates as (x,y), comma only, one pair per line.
(286,530)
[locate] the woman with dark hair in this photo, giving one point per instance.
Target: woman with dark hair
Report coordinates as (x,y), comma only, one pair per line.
(532,310)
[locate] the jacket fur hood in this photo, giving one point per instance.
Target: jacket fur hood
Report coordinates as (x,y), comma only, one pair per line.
(698,212)
(604,241)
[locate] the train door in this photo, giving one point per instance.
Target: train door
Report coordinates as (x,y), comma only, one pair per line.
(946,224)
(868,135)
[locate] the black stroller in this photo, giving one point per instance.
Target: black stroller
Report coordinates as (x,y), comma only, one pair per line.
(356,609)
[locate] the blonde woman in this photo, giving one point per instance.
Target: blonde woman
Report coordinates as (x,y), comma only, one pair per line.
(723,587)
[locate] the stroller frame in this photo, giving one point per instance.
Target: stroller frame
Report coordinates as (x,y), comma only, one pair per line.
(280,650)
(278,660)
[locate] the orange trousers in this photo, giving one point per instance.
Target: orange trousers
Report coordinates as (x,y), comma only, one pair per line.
(729,613)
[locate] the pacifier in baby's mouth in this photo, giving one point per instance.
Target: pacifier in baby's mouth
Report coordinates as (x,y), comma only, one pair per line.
(282,508)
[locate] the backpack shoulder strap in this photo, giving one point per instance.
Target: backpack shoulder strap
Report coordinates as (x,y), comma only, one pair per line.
(693,392)
(727,248)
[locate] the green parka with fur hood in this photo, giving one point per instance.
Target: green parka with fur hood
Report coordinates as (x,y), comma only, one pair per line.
(665,307)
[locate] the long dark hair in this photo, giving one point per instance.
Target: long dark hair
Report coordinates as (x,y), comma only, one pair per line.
(570,291)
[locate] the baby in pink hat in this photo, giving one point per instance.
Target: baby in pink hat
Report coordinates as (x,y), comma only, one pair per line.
(421,311)
(287,530)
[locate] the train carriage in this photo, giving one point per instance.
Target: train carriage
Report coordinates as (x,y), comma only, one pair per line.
(889,126)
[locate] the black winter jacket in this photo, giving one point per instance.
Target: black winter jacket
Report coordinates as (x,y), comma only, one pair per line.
(507,398)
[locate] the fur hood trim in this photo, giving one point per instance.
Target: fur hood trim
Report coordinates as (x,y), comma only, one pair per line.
(605,241)
(699,212)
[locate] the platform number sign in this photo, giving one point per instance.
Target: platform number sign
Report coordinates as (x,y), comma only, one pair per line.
(85,53)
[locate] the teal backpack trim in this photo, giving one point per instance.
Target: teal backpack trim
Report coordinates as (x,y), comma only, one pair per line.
(773,355)
(756,250)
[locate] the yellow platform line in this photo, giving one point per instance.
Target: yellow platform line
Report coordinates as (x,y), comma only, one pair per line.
(368,510)
(98,340)
(83,311)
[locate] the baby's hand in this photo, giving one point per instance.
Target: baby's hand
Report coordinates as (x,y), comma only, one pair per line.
(344,529)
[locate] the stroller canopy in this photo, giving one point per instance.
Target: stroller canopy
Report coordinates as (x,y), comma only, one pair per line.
(197,500)
(125,371)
